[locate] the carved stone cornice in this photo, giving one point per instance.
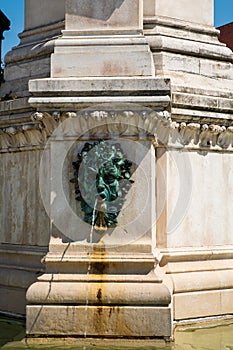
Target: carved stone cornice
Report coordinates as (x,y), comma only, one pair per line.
(21,137)
(106,123)
(142,123)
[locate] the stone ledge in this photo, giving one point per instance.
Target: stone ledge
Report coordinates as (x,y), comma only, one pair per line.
(100,86)
(199,265)
(205,87)
(30,51)
(82,102)
(151,277)
(191,254)
(77,342)
(188,47)
(150,22)
(41,32)
(168,34)
(101,264)
(141,293)
(202,102)
(17,105)
(202,280)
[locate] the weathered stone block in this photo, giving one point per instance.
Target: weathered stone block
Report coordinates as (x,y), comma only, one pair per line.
(103,15)
(200,11)
(101,321)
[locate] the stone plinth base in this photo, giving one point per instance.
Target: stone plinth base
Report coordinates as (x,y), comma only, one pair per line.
(20,266)
(100,321)
(122,302)
(202,282)
(203,304)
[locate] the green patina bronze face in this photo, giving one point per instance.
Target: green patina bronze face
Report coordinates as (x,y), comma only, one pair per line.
(102,180)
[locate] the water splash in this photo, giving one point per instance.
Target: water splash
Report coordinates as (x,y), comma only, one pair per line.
(89,268)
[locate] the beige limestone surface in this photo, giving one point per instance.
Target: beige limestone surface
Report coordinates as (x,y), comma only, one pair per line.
(95,15)
(137,217)
(43,12)
(203,304)
(102,39)
(23,217)
(199,208)
(199,11)
(102,321)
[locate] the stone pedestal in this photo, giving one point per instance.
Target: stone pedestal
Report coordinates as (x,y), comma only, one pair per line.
(194,230)
(101,283)
(102,39)
(102,86)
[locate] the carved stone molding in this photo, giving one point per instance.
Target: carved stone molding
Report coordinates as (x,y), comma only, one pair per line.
(19,137)
(139,123)
(206,136)
(102,123)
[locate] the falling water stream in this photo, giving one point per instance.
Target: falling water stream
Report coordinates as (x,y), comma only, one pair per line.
(89,269)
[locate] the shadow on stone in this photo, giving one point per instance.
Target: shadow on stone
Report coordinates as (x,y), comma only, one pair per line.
(101,10)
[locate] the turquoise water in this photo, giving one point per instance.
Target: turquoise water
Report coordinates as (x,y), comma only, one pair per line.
(211,336)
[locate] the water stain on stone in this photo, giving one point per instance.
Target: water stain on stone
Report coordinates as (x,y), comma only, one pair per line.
(98,267)
(100,310)
(99,296)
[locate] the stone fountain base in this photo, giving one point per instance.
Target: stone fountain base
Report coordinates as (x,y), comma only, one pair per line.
(111,301)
